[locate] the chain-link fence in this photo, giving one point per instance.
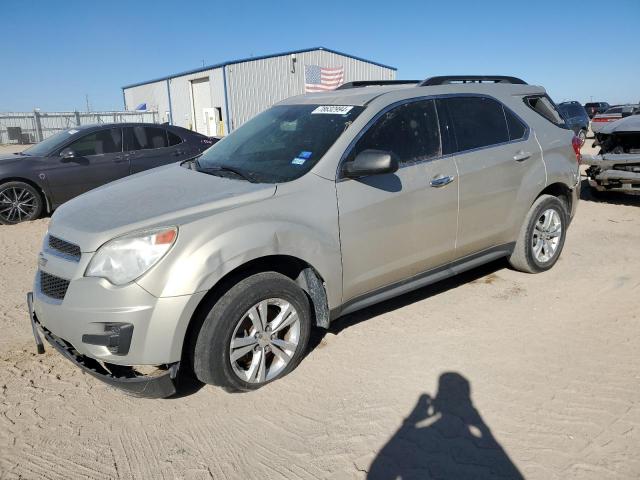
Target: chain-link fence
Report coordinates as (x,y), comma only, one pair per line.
(32,127)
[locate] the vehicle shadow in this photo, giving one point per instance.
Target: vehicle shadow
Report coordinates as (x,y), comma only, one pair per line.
(444,437)
(337,326)
(187,384)
(614,198)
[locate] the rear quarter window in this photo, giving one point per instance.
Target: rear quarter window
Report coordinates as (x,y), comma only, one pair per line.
(544,106)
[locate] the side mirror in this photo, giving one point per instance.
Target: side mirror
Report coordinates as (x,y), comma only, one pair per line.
(67,153)
(371,162)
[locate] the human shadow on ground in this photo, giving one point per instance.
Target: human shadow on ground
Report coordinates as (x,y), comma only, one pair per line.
(444,438)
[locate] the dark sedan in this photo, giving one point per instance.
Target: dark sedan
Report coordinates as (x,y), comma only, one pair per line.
(67,164)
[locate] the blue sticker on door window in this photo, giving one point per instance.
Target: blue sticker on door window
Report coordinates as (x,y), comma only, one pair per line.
(305,155)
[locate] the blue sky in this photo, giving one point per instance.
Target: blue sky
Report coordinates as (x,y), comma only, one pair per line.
(55,52)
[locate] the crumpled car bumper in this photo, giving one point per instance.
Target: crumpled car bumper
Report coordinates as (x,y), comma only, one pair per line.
(127,379)
(613,171)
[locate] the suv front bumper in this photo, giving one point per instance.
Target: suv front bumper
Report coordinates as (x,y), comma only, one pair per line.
(124,378)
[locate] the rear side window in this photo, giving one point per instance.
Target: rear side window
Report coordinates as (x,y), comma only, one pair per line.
(477,122)
(146,138)
(173,138)
(410,131)
(517,129)
(98,143)
(544,107)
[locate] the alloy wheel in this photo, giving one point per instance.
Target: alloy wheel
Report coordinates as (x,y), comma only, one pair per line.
(546,235)
(17,204)
(264,340)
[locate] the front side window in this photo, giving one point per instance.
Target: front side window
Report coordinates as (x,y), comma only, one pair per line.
(98,143)
(281,144)
(477,122)
(409,131)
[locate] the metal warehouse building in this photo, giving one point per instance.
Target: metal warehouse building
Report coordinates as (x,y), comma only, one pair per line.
(216,99)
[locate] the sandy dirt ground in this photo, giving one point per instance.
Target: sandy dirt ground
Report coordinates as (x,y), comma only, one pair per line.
(494,374)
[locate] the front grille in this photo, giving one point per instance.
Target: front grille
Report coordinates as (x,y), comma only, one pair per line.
(66,248)
(52,286)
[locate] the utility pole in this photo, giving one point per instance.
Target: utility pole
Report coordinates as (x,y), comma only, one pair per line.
(86,97)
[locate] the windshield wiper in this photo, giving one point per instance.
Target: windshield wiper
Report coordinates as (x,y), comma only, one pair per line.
(224,168)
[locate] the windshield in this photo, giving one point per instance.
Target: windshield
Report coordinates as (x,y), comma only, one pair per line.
(280,144)
(50,143)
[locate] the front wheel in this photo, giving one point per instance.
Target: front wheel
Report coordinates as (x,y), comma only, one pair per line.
(542,236)
(19,202)
(255,333)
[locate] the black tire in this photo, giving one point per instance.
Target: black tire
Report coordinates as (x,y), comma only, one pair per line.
(211,354)
(28,197)
(523,257)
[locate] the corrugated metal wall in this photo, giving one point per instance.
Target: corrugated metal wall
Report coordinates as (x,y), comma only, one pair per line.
(255,86)
(252,86)
(181,100)
(155,95)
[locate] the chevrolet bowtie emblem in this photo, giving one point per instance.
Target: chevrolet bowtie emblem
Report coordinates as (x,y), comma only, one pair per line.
(42,262)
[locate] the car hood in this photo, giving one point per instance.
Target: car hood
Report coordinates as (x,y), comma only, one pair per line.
(11,158)
(171,195)
(627,124)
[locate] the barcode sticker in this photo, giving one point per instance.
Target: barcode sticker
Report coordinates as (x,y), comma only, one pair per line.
(333,109)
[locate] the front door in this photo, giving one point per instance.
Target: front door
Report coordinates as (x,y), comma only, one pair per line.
(395,226)
(97,159)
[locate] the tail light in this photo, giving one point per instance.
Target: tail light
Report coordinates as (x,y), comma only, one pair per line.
(576,143)
(605,119)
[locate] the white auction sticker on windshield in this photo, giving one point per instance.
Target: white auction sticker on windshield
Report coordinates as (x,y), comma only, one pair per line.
(333,109)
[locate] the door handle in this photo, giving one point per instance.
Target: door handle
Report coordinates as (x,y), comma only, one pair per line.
(521,156)
(441,181)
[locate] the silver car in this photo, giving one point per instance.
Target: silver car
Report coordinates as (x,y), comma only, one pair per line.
(322,205)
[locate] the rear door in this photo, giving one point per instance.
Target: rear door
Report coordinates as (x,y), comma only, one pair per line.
(148,147)
(98,159)
(495,155)
(395,226)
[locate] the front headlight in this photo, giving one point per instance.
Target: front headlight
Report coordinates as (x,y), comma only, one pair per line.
(126,258)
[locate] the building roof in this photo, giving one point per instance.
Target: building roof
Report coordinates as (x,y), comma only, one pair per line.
(250,59)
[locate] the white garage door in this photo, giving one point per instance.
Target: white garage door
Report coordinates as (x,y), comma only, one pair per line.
(201,94)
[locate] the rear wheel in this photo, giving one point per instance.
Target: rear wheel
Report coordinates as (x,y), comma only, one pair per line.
(256,333)
(542,236)
(19,202)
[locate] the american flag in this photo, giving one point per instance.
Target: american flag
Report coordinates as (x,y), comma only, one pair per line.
(321,79)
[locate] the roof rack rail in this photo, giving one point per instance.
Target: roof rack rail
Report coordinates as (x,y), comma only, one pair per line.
(371,83)
(446,79)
